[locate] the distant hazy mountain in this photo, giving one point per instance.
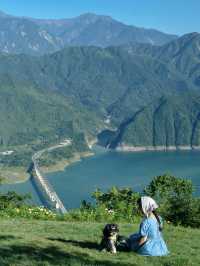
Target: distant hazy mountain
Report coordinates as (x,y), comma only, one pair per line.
(36,36)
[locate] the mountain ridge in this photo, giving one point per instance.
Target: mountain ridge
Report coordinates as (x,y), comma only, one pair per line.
(110,85)
(40,36)
(172,121)
(181,54)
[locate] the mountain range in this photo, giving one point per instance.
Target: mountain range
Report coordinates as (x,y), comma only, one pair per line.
(129,93)
(37,36)
(171,120)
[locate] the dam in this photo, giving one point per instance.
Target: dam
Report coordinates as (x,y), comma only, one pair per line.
(43,186)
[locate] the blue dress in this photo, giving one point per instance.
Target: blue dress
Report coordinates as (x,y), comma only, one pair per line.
(155,245)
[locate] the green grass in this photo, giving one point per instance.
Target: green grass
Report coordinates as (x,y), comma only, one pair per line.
(27,242)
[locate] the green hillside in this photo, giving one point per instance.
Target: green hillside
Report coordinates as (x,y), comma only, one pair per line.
(181,54)
(149,94)
(31,242)
(31,119)
(169,121)
(29,115)
(105,81)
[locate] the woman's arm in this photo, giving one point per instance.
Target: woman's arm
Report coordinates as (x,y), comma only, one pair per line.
(142,240)
(144,227)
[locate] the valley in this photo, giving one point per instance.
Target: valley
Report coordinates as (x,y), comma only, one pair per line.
(135,96)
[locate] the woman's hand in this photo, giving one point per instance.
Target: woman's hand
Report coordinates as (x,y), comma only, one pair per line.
(142,240)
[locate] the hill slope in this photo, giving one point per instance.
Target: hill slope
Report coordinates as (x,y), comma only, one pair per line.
(91,85)
(105,80)
(169,121)
(182,54)
(28,115)
(26,242)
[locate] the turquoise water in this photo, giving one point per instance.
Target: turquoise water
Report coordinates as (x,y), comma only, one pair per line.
(23,188)
(106,169)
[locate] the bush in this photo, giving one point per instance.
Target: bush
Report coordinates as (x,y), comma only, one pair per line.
(114,205)
(175,197)
(29,212)
(16,205)
(164,186)
(11,200)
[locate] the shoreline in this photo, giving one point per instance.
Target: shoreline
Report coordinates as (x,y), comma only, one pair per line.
(14,175)
(17,175)
(61,165)
(129,148)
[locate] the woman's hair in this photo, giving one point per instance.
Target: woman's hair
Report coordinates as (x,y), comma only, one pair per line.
(158,219)
(139,202)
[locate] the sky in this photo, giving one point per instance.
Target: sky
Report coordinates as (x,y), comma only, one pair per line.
(170,16)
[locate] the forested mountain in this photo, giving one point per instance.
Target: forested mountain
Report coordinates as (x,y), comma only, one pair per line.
(29,115)
(148,94)
(168,121)
(182,54)
(107,81)
(36,36)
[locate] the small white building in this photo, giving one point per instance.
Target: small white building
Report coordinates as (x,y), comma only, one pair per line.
(66,142)
(6,152)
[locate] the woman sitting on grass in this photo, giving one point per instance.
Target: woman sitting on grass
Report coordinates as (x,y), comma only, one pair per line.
(149,240)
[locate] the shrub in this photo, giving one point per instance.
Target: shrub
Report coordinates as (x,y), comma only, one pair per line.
(29,212)
(114,205)
(11,200)
(175,197)
(164,186)
(16,205)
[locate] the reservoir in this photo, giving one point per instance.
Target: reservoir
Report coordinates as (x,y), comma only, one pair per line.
(109,168)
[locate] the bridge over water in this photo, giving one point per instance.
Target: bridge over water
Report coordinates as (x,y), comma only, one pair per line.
(43,184)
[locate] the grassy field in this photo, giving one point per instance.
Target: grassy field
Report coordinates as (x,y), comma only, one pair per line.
(26,242)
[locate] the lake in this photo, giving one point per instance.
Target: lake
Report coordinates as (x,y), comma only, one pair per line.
(108,168)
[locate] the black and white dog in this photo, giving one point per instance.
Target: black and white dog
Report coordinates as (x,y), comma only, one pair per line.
(109,238)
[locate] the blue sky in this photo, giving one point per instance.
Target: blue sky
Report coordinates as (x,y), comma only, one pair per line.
(172,16)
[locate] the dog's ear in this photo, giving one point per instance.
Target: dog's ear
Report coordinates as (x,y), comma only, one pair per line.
(106,229)
(117,227)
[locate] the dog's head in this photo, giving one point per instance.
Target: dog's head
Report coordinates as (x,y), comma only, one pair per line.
(110,230)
